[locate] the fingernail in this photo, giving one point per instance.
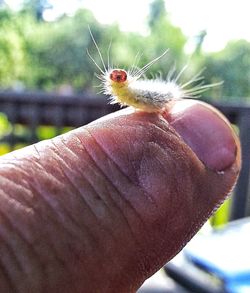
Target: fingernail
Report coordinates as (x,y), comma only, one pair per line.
(206,131)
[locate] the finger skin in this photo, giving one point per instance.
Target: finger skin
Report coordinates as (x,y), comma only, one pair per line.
(103,207)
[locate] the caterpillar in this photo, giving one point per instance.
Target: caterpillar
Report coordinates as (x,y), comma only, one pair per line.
(128,88)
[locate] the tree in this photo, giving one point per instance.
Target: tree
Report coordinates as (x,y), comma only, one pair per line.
(157,12)
(164,35)
(199,41)
(36,7)
(12,53)
(231,65)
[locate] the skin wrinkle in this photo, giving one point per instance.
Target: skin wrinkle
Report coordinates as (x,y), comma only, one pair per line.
(47,199)
(173,190)
(8,246)
(61,221)
(33,244)
(115,186)
(27,195)
(149,121)
(87,180)
(98,225)
(7,254)
(145,193)
(24,234)
(131,177)
(59,259)
(162,150)
(163,128)
(132,161)
(52,219)
(37,157)
(29,254)
(21,190)
(6,284)
(101,147)
(40,166)
(138,243)
(166,129)
(101,223)
(98,222)
(128,177)
(31,239)
(98,196)
(121,213)
(152,150)
(5,212)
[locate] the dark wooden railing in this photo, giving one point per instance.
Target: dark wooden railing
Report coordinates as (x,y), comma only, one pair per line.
(34,109)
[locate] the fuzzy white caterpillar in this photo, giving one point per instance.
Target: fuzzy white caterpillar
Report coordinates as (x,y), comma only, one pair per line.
(127,89)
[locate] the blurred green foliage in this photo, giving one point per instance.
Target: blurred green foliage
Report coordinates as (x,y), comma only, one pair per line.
(12,52)
(221,216)
(232,65)
(35,54)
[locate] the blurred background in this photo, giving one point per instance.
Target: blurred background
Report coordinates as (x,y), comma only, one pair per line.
(48,83)
(43,42)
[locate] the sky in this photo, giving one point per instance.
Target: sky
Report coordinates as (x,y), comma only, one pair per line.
(223,20)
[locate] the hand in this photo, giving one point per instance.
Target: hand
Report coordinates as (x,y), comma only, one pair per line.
(101,208)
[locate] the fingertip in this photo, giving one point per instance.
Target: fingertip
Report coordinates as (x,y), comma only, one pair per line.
(207,132)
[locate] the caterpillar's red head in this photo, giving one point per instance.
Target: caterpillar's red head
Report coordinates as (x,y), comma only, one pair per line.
(118,75)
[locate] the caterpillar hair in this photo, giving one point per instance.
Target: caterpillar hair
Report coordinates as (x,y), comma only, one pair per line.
(129,88)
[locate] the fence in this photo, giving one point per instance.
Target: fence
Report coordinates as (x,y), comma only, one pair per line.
(59,111)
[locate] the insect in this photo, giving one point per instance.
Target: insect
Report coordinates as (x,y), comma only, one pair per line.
(129,88)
